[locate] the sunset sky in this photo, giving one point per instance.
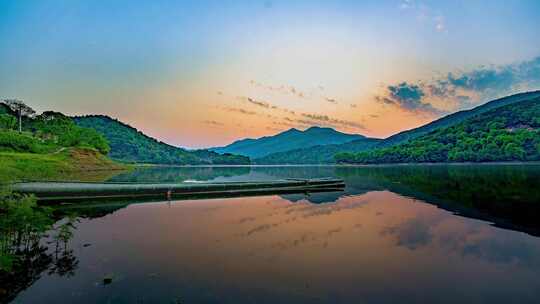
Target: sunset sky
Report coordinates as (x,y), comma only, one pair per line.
(205,73)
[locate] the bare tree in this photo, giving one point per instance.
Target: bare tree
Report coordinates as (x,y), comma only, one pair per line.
(20,108)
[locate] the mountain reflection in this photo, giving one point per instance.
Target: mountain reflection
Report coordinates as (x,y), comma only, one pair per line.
(377,241)
(503,194)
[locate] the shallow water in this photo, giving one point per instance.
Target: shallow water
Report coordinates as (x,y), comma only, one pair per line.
(397,234)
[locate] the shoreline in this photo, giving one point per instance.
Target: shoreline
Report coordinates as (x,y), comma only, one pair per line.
(136,166)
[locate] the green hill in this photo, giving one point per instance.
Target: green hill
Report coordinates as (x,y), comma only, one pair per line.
(289,140)
(47,133)
(131,145)
(323,154)
(507,133)
(455,118)
(52,147)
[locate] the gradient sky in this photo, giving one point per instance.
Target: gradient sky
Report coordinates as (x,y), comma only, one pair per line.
(204,73)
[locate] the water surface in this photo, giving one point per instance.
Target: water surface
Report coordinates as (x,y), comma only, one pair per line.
(397,234)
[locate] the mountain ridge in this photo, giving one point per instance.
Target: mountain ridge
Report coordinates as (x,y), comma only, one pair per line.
(290,139)
(456,117)
(510,132)
(325,153)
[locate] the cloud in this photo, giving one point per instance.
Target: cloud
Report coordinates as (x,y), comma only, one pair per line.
(408,97)
(440,24)
(412,234)
(213,123)
(240,110)
(333,121)
(331,100)
(459,90)
(316,92)
(258,103)
(283,89)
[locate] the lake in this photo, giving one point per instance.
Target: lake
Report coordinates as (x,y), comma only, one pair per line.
(397,234)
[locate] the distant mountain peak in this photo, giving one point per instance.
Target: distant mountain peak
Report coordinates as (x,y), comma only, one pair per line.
(291,130)
(290,139)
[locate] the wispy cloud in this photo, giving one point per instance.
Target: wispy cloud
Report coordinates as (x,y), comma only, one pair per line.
(331,100)
(256,102)
(213,123)
(314,93)
(240,110)
(333,121)
(284,89)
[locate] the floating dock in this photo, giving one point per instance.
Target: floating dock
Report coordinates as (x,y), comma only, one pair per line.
(62,191)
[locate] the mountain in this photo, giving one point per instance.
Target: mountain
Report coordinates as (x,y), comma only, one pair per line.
(322,154)
(131,145)
(288,140)
(325,153)
(455,118)
(507,133)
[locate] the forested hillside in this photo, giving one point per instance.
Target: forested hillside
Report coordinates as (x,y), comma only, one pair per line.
(455,118)
(323,154)
(507,133)
(131,145)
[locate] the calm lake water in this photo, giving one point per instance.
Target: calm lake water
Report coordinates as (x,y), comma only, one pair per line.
(397,234)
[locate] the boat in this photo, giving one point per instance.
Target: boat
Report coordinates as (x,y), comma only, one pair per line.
(62,191)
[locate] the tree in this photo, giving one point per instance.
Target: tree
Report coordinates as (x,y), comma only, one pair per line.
(7,121)
(20,108)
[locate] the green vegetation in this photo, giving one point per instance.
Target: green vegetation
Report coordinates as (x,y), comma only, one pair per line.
(47,133)
(22,224)
(130,145)
(69,164)
(60,130)
(505,194)
(48,146)
(455,118)
(32,241)
(507,133)
(322,154)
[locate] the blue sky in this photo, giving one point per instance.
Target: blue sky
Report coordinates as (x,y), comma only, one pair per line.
(179,70)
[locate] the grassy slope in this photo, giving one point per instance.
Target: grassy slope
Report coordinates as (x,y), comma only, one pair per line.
(69,164)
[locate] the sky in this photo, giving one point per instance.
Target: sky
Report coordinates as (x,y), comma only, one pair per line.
(205,73)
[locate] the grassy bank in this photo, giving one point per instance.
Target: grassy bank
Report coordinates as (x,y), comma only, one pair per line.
(69,164)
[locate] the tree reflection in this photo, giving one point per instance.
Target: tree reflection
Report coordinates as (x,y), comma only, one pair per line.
(27,232)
